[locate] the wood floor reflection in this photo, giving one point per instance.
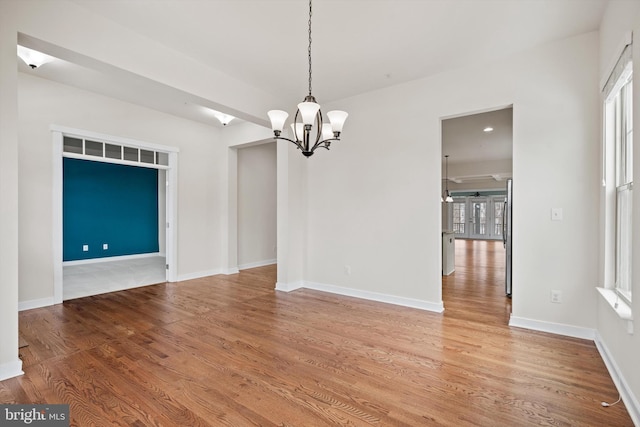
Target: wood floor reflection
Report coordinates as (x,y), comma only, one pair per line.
(231,351)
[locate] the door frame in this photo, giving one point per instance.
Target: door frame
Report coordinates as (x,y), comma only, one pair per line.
(58,133)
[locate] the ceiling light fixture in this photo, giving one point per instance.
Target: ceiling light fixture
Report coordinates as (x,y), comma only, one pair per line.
(33,58)
(224,119)
(488,129)
(309,130)
(446,196)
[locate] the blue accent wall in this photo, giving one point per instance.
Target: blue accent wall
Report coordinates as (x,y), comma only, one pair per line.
(108,203)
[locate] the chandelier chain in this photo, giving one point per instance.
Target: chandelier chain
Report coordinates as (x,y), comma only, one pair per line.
(309,48)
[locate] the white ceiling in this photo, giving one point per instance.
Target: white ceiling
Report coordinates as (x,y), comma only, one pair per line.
(465,141)
(358,45)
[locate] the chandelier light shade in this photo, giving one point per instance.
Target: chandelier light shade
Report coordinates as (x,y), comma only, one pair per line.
(308,129)
(446,196)
(33,58)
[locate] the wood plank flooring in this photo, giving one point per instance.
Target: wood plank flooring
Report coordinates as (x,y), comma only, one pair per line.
(231,351)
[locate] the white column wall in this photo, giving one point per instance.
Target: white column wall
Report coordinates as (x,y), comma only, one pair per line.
(10,364)
(292,216)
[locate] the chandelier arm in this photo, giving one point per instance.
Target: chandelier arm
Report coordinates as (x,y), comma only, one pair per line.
(324,143)
(297,144)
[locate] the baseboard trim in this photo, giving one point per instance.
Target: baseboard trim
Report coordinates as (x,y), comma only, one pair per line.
(228,271)
(10,370)
(110,258)
(35,303)
(553,328)
(257,264)
(375,296)
(629,399)
(289,287)
(198,275)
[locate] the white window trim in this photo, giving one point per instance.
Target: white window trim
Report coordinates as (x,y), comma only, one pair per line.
(614,297)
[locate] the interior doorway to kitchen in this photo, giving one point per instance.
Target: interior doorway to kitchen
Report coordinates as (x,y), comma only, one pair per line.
(474,184)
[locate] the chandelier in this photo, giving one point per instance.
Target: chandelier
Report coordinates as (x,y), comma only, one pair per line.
(308,129)
(446,196)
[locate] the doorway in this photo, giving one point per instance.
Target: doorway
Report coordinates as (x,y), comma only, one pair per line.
(126,271)
(257,205)
(479,150)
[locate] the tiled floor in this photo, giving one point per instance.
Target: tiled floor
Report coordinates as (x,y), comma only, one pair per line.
(101,277)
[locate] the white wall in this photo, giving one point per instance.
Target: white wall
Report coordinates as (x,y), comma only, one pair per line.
(257,205)
(200,175)
(623,348)
(374,200)
(10,364)
(292,216)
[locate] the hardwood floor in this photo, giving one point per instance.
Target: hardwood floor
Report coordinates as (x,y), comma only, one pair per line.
(229,350)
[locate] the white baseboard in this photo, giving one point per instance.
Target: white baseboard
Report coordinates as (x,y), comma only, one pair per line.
(35,303)
(111,258)
(554,328)
(10,370)
(629,399)
(229,271)
(288,287)
(257,264)
(367,295)
(198,275)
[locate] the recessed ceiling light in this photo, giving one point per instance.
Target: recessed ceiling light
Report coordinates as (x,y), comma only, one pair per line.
(488,129)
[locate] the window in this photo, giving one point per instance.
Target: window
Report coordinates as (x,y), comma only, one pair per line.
(114,153)
(477,216)
(498,216)
(619,170)
(459,218)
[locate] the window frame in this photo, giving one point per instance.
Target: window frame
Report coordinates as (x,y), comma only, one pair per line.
(618,176)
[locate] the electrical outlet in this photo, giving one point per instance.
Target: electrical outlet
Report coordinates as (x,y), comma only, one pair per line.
(105,246)
(556,214)
(556,297)
(85,248)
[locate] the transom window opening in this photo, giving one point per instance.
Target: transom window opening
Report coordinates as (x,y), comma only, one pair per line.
(113,153)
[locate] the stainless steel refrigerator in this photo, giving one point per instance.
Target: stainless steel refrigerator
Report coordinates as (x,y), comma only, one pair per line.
(507,235)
